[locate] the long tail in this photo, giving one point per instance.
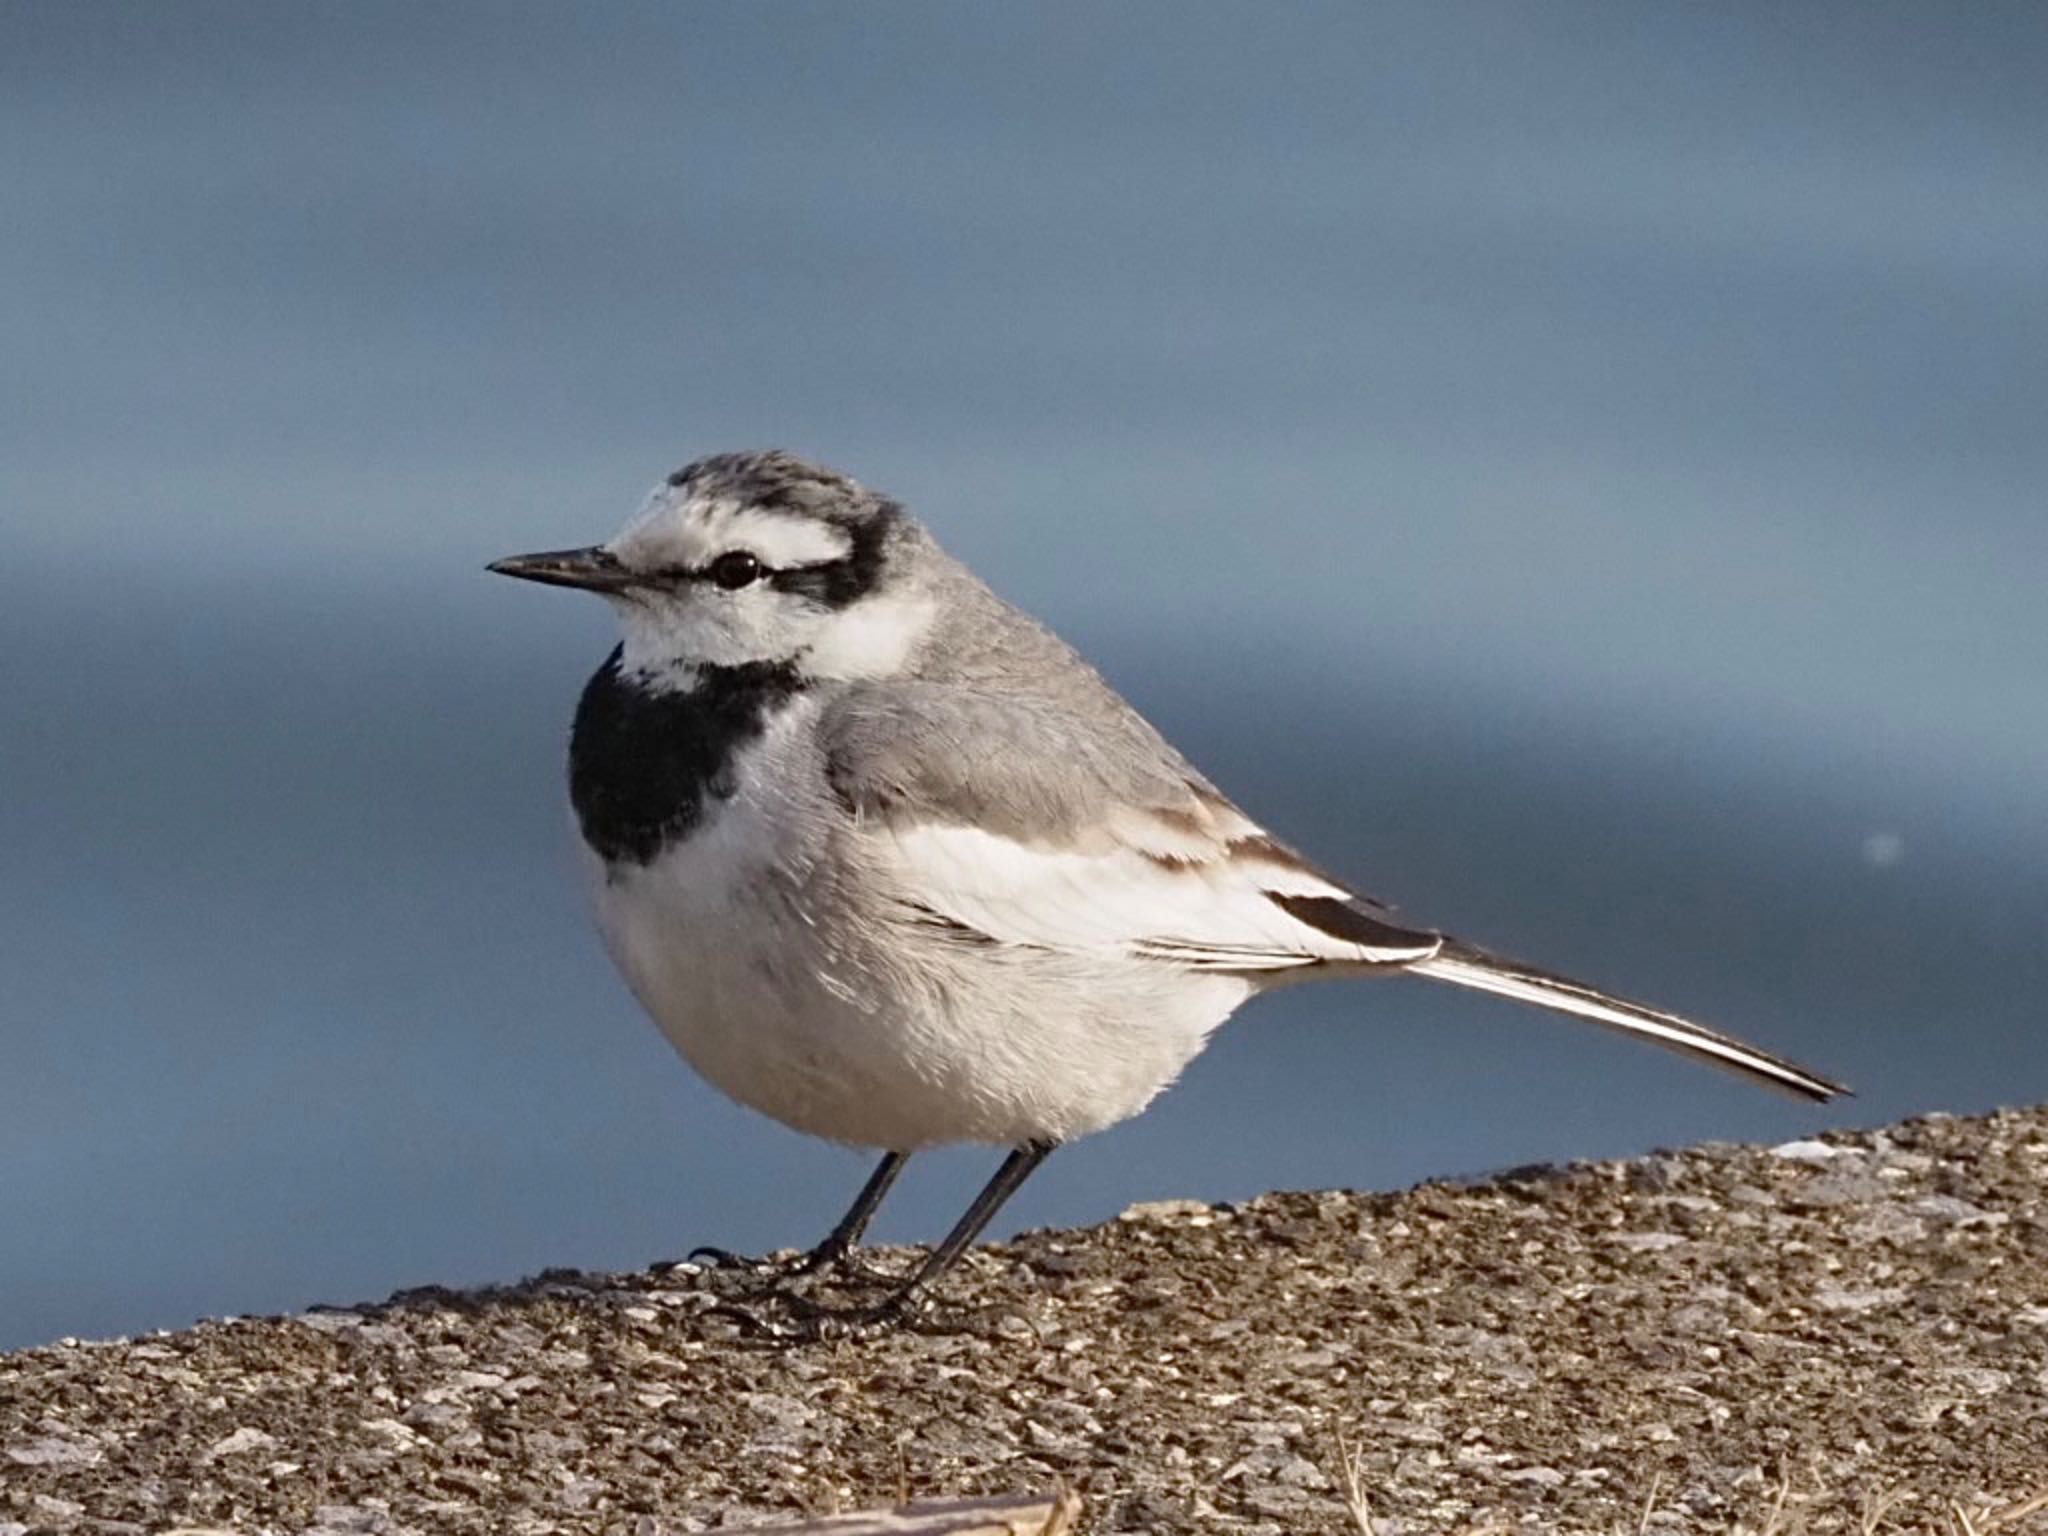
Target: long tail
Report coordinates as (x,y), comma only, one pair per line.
(1465,965)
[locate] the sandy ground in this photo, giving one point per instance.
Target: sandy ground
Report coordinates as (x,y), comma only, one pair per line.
(1854,1332)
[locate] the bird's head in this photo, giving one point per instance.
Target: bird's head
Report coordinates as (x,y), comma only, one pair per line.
(748,558)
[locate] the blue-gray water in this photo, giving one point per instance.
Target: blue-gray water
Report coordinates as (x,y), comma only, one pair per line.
(1577,469)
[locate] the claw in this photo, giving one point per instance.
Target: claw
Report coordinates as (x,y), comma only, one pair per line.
(813,1322)
(890,1310)
(725,1258)
(753,1323)
(841,1263)
(850,1270)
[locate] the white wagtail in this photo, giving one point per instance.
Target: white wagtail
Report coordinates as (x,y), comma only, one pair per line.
(887,861)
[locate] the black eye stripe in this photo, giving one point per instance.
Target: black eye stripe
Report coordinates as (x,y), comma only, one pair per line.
(831,583)
(796,576)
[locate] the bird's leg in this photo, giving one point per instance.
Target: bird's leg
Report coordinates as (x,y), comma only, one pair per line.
(836,1251)
(815,1321)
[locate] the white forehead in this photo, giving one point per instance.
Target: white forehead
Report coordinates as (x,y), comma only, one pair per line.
(677,528)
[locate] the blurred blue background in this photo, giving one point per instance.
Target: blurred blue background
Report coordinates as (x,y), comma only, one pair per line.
(1577,469)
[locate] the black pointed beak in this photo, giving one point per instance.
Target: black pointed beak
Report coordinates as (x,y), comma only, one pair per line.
(594,570)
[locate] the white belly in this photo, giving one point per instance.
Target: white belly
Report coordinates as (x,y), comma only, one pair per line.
(778,978)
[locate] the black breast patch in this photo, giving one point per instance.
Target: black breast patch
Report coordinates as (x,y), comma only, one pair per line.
(644,766)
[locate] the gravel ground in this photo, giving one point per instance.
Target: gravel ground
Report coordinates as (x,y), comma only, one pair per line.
(1700,1334)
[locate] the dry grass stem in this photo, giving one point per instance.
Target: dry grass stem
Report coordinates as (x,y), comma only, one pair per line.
(1351,1479)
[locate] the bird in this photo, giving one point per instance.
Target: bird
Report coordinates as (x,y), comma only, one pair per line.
(887,861)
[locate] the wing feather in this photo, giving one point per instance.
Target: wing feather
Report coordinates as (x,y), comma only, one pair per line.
(998,820)
(1224,911)
(992,810)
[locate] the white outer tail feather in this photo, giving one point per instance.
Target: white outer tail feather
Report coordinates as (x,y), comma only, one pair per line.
(1464,966)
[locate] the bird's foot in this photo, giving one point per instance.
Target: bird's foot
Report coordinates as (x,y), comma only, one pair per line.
(777,1264)
(842,1264)
(804,1321)
(851,1269)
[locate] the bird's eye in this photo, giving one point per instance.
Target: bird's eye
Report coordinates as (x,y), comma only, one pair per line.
(735,569)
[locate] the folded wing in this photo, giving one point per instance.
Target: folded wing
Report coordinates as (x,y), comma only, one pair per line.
(1234,909)
(999,817)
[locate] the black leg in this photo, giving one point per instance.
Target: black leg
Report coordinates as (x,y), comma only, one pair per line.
(1009,1178)
(839,1242)
(815,1321)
